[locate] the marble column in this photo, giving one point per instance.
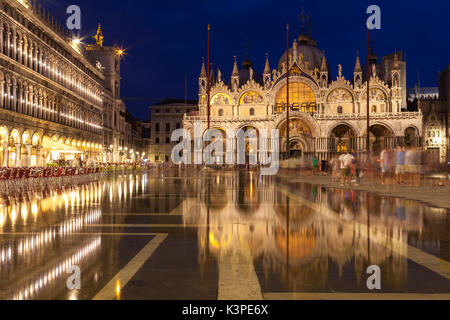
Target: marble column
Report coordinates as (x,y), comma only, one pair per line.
(18,154)
(29,152)
(1,36)
(38,156)
(5,154)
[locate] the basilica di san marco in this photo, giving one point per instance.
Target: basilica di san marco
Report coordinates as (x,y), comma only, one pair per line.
(326,115)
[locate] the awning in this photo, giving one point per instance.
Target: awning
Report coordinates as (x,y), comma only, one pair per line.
(55,146)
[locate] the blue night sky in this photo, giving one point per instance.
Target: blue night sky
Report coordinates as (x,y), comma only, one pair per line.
(166,40)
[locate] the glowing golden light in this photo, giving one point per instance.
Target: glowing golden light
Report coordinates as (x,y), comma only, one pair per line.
(120,52)
(118,290)
(3,134)
(75,44)
(299,93)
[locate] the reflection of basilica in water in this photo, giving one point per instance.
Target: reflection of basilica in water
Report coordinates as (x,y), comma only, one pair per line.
(298,243)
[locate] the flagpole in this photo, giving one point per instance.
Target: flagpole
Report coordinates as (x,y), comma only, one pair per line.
(288,147)
(368,93)
(208,86)
(368,134)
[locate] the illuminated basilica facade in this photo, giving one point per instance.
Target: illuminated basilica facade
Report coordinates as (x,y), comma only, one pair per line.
(326,115)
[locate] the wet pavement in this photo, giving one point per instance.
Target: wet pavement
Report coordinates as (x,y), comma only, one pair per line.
(209,235)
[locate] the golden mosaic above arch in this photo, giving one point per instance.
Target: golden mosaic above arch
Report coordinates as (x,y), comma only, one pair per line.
(297,127)
(378,95)
(340,95)
(220,99)
(251,97)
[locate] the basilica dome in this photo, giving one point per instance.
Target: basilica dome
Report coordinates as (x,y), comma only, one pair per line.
(307,47)
(244,73)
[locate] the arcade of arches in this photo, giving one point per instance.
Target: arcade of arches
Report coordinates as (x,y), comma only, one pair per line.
(305,142)
(26,148)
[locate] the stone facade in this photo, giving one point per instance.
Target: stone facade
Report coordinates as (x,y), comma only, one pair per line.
(166,116)
(59,98)
(108,60)
(326,115)
(50,95)
(436,119)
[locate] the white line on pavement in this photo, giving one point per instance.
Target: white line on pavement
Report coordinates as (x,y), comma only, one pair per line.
(109,292)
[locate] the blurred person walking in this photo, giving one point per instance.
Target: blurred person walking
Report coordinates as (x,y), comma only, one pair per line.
(412,166)
(386,158)
(356,167)
(347,160)
(400,165)
(335,167)
(314,162)
(342,168)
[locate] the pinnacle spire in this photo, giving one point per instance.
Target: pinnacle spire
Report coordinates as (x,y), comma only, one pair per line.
(211,76)
(396,60)
(358,64)
(267,67)
(324,66)
(203,72)
(99,36)
(235,68)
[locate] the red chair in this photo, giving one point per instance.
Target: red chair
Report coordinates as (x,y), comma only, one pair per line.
(4,174)
(12,173)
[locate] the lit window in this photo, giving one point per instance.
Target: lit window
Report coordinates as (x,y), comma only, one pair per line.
(299,93)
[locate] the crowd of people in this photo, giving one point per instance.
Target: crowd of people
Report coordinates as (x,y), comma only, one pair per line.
(401,166)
